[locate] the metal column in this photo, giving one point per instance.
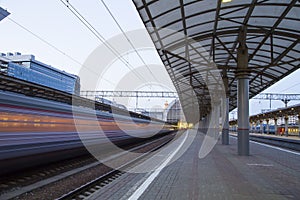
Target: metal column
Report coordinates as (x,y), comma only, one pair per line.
(225,131)
(243,94)
(204,124)
(275,126)
(299,124)
(252,127)
(286,127)
(207,121)
(268,127)
(215,115)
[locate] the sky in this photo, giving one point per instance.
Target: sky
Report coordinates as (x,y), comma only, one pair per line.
(52,21)
(56,37)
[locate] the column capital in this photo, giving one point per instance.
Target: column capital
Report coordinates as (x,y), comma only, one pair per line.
(242,73)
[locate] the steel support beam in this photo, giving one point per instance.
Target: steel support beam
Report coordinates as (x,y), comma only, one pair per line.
(139,94)
(243,94)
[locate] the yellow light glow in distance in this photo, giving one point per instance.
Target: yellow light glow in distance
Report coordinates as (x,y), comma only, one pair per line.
(226,1)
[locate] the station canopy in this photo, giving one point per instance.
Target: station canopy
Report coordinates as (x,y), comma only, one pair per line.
(273,32)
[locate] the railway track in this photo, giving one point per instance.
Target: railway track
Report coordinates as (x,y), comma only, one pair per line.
(88,189)
(52,179)
(26,177)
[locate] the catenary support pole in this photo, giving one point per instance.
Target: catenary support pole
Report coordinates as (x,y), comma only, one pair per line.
(275,126)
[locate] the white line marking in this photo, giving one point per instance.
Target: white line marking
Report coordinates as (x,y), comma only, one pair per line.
(258,164)
(273,147)
(150,179)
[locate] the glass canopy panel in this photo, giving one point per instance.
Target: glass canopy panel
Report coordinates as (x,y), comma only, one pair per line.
(226,23)
(195,30)
(262,22)
(199,7)
(265,10)
(144,14)
(294,54)
(199,19)
(230,11)
(294,13)
(168,17)
(273,72)
(289,24)
(158,7)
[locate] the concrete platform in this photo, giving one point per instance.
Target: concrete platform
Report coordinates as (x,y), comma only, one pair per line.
(268,173)
(290,137)
(290,142)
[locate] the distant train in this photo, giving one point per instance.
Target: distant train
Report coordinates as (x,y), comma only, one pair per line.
(25,67)
(257,129)
(108,102)
(293,129)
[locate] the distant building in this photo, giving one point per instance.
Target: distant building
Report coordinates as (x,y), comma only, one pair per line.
(3,13)
(25,67)
(173,112)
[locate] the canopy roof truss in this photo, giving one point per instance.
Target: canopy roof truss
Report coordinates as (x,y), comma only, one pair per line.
(273,33)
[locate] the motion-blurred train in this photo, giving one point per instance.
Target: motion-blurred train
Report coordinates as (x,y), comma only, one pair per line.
(35,131)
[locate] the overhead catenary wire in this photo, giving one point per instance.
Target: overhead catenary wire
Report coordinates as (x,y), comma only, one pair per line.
(54,47)
(129,41)
(96,33)
(290,87)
